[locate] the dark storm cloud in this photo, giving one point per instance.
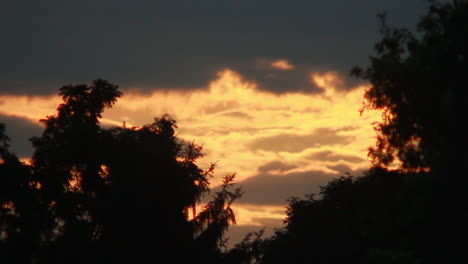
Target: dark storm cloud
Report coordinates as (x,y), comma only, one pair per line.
(181,44)
(298,143)
(20,130)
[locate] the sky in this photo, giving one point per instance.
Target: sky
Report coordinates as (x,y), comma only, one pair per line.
(263,85)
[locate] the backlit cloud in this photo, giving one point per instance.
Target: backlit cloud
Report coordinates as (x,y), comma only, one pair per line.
(269,64)
(298,143)
(276,165)
(279,144)
(327,155)
(283,65)
(241,126)
(276,189)
(29,107)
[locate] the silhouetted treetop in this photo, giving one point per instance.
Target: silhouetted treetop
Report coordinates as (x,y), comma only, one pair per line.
(98,195)
(22,214)
(88,101)
(381,217)
(419,81)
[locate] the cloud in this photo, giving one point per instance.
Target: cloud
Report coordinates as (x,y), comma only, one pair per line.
(279,144)
(283,65)
(258,215)
(298,143)
(271,78)
(237,233)
(341,168)
(276,165)
(247,129)
(221,107)
(20,130)
(33,108)
(272,189)
(327,155)
(271,64)
(238,114)
(182,44)
(328,80)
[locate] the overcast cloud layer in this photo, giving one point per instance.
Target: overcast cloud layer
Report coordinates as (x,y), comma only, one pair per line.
(183,44)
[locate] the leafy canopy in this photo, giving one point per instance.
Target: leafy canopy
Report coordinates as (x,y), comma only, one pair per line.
(419,81)
(98,195)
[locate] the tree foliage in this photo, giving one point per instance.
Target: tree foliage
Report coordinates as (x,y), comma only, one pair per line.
(249,250)
(20,208)
(380,217)
(419,81)
(98,195)
(417,213)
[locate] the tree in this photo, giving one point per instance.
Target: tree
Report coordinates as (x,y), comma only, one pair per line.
(249,250)
(4,139)
(381,217)
(416,213)
(67,165)
(419,81)
(123,194)
(21,209)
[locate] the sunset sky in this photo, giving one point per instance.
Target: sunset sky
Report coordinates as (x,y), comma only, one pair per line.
(263,85)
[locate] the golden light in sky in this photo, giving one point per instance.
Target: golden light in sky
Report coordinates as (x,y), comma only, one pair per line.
(264,137)
(282,65)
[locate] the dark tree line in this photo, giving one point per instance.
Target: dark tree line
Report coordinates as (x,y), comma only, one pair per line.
(95,195)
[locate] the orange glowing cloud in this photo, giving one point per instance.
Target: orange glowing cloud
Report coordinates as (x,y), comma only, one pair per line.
(231,117)
(282,65)
(29,107)
(254,215)
(253,132)
(35,108)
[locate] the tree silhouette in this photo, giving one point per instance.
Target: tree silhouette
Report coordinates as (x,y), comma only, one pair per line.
(20,208)
(249,250)
(381,217)
(96,195)
(4,139)
(67,165)
(419,81)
